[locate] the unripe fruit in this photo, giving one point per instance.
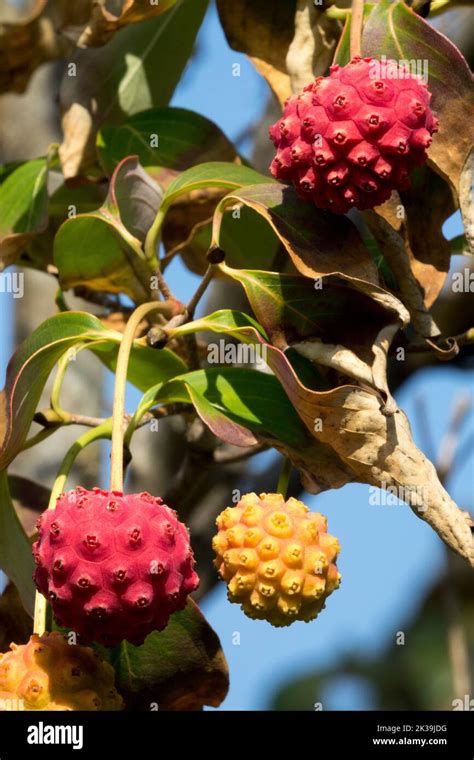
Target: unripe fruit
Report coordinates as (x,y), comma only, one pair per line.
(277,558)
(113,566)
(47,673)
(350,139)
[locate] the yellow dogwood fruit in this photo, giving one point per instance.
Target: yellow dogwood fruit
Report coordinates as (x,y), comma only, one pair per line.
(47,673)
(277,558)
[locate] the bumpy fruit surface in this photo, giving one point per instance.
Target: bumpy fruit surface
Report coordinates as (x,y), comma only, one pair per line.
(351,138)
(47,673)
(277,558)
(114,566)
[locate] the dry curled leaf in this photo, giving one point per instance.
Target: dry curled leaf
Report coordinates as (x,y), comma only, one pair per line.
(394,251)
(379,449)
(418,215)
(264,32)
(466,199)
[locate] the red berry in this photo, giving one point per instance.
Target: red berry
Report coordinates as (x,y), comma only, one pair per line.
(113,566)
(350,139)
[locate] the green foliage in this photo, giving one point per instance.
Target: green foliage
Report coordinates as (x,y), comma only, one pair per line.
(143,183)
(170,138)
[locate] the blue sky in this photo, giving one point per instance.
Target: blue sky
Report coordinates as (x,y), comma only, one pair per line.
(389,557)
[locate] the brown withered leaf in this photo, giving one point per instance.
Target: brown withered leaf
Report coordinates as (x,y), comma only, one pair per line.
(466,199)
(427,204)
(312,48)
(379,449)
(264,32)
(393,248)
(50,30)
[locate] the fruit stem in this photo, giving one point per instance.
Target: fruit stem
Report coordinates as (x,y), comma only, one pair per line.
(284,477)
(357,21)
(118,412)
(101,431)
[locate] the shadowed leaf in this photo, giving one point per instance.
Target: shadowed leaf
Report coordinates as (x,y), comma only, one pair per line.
(23,208)
(15,623)
(180,668)
(16,558)
(316,246)
(182,138)
(264,32)
(427,204)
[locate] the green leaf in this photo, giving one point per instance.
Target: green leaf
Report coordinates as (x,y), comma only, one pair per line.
(225,321)
(212,174)
(184,138)
(90,250)
(16,558)
(23,207)
(245,397)
(77,199)
(395,31)
(180,668)
(244,237)
(102,249)
(32,363)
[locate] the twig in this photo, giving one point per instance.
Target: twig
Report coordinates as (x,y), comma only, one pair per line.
(164,287)
(208,275)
